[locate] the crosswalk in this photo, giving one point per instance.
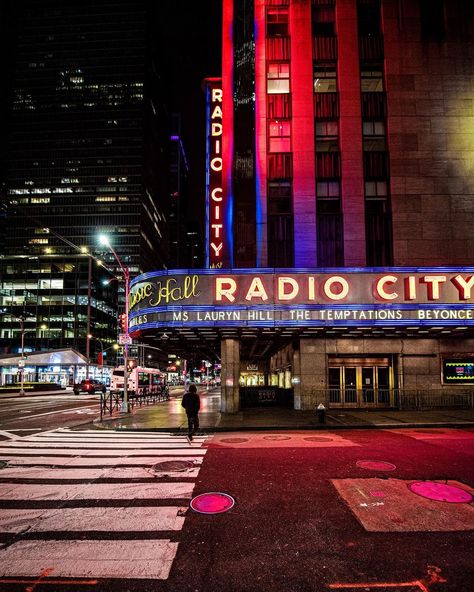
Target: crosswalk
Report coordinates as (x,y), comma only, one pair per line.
(74,504)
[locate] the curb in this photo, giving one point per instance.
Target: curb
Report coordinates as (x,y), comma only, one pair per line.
(325,427)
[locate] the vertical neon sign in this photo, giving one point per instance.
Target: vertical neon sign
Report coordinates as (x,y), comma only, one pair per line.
(215,221)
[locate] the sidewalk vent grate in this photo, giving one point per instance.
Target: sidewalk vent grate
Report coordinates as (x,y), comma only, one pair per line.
(212,503)
(375,465)
(173,466)
(441,492)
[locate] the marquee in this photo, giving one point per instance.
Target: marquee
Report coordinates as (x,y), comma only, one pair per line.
(302,298)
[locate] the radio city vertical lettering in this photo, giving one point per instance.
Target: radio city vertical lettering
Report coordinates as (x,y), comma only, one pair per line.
(215,197)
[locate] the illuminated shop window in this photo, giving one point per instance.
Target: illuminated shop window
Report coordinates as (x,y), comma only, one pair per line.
(277,22)
(325,79)
(371,80)
(279,132)
(278,78)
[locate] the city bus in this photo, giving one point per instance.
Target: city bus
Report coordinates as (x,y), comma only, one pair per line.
(139,378)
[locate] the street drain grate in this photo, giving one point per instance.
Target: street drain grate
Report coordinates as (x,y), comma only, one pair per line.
(277,437)
(234,440)
(375,465)
(441,492)
(173,466)
(3,464)
(213,502)
(316,439)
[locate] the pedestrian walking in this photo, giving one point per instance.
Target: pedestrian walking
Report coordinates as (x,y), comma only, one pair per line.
(192,403)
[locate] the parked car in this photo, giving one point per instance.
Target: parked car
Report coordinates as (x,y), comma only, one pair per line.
(89,385)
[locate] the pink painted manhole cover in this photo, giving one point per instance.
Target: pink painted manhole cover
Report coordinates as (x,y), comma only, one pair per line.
(375,465)
(277,437)
(212,503)
(441,492)
(234,440)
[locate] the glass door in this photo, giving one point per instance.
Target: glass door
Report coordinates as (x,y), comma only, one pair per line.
(350,385)
(367,379)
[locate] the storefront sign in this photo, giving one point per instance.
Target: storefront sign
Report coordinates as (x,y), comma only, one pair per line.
(214,194)
(266,298)
(458,371)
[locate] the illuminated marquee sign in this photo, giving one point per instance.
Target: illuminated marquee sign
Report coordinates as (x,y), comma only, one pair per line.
(266,298)
(214,194)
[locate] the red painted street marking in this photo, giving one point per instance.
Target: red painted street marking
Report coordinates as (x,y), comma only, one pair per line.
(54,582)
(433,577)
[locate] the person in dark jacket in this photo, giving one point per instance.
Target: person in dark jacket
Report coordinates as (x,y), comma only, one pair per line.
(192,403)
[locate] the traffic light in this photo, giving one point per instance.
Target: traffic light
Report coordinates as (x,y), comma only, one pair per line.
(123,323)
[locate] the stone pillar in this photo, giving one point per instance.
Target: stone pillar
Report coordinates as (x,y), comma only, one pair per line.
(230,372)
(296,366)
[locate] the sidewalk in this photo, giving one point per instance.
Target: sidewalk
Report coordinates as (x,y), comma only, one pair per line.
(170,415)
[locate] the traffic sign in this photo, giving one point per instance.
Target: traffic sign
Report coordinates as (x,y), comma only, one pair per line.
(124,339)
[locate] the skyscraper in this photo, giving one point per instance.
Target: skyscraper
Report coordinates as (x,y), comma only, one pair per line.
(87,154)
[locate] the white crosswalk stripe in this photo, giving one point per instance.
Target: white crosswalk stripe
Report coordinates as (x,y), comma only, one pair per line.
(83,494)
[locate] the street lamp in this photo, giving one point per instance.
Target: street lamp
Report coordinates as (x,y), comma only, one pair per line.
(104,240)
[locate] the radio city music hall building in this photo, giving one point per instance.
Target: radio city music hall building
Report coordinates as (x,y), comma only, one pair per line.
(340,207)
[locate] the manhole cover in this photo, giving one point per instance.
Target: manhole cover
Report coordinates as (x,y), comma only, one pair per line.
(375,465)
(212,503)
(316,439)
(441,492)
(174,466)
(234,440)
(277,437)
(3,464)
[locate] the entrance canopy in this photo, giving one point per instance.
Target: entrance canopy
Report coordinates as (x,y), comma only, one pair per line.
(264,308)
(59,357)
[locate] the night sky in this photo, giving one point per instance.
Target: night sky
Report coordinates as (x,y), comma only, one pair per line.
(192,34)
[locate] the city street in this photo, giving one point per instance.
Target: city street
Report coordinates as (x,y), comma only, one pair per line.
(85,510)
(27,414)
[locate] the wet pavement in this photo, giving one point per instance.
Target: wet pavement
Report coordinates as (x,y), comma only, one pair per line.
(169,415)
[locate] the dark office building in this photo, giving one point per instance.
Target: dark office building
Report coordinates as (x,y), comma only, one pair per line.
(87,154)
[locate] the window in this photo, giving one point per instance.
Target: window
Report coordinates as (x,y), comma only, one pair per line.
(325,79)
(371,80)
(279,132)
(323,21)
(373,128)
(277,22)
(328,189)
(279,197)
(278,78)
(374,136)
(376,189)
(278,106)
(378,228)
(280,241)
(368,17)
(327,136)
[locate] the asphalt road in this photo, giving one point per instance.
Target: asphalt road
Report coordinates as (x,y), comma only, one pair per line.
(24,415)
(307,516)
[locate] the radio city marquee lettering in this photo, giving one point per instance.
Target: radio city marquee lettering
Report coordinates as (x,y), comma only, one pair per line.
(215,205)
(306,299)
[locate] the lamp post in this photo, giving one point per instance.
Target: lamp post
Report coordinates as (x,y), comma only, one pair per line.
(104,240)
(22,327)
